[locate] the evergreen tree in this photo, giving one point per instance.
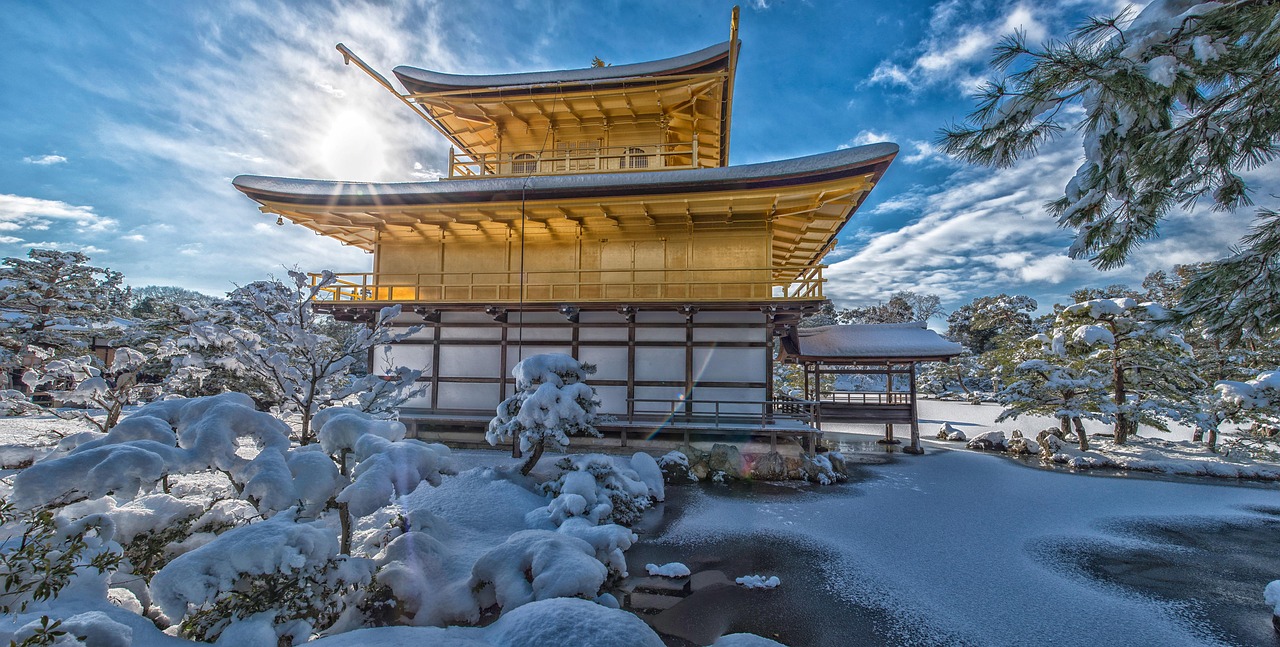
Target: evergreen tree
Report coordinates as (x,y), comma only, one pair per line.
(1050,382)
(52,299)
(1173,105)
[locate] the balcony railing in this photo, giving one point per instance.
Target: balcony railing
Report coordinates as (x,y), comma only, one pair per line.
(596,159)
(580,286)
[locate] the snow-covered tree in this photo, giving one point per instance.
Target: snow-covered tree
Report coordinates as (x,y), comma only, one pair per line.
(552,402)
(270,330)
(91,384)
(51,299)
(1255,405)
(1148,368)
(979,324)
(1050,382)
(1175,104)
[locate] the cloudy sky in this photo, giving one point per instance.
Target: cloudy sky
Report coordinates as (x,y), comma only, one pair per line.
(122,124)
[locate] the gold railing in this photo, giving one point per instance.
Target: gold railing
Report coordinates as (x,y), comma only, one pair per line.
(580,286)
(603,159)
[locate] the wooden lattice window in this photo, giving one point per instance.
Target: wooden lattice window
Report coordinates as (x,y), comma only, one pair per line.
(637,158)
(524,163)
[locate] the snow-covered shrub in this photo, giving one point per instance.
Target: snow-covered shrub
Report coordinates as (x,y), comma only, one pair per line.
(49,552)
(593,487)
(90,628)
(283,567)
(673,569)
(93,384)
(552,402)
(536,565)
(676,468)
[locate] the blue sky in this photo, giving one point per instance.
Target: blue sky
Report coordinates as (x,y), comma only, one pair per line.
(122,124)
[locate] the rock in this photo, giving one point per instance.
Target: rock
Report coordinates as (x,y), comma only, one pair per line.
(1021,446)
(770,467)
(699,471)
(660,585)
(727,459)
(957,435)
(1017,433)
(705,579)
(1051,431)
(651,602)
(838,464)
(1050,444)
(988,441)
(945,431)
(818,470)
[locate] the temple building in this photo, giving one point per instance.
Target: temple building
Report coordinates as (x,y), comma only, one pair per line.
(593,212)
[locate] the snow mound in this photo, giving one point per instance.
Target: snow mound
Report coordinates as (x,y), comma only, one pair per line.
(673,569)
(536,565)
(759,581)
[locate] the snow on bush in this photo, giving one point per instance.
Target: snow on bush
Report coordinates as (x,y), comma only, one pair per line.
(536,565)
(389,469)
(758,581)
(593,487)
(282,565)
(673,569)
(676,468)
(551,403)
(90,628)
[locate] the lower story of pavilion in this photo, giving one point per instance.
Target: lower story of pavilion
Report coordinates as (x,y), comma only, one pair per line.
(667,372)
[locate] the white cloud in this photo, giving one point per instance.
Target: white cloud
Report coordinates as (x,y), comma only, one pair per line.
(45,160)
(955,43)
(9,240)
(986,231)
(134,238)
(22,212)
(65,246)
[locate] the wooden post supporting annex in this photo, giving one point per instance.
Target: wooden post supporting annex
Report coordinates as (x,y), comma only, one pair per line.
(915,418)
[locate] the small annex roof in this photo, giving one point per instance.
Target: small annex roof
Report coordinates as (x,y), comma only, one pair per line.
(417,80)
(849,343)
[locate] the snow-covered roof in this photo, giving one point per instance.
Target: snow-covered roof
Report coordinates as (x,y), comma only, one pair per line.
(420,80)
(875,341)
(800,170)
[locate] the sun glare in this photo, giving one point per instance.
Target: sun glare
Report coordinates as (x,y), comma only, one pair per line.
(352,148)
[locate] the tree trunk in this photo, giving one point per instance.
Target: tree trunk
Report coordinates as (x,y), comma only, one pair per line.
(960,379)
(1121,427)
(1064,424)
(1213,440)
(344,516)
(1080,434)
(1198,435)
(532,460)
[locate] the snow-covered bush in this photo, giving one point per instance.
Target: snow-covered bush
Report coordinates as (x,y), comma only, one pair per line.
(552,402)
(676,467)
(49,552)
(287,570)
(591,486)
(537,565)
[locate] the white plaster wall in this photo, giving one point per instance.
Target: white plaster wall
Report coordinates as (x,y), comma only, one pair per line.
(728,364)
(654,364)
(610,361)
(469,396)
(470,361)
(414,356)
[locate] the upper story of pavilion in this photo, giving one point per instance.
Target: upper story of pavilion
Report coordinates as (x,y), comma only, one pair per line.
(597,187)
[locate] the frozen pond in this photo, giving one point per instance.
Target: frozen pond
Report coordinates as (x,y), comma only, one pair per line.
(962,548)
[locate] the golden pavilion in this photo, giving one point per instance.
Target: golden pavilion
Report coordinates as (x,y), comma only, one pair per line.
(592,212)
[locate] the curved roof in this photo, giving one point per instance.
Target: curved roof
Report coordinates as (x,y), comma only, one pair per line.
(872,158)
(865,342)
(420,80)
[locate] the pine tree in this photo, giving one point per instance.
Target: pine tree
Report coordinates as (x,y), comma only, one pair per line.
(1173,105)
(51,299)
(1050,382)
(552,402)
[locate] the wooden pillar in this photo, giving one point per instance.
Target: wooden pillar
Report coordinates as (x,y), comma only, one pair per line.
(631,365)
(502,366)
(435,367)
(914,447)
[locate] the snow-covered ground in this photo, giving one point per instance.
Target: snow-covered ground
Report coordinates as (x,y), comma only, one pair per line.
(959,547)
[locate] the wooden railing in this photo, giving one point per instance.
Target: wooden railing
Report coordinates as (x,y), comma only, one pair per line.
(604,159)
(717,413)
(580,286)
(865,397)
